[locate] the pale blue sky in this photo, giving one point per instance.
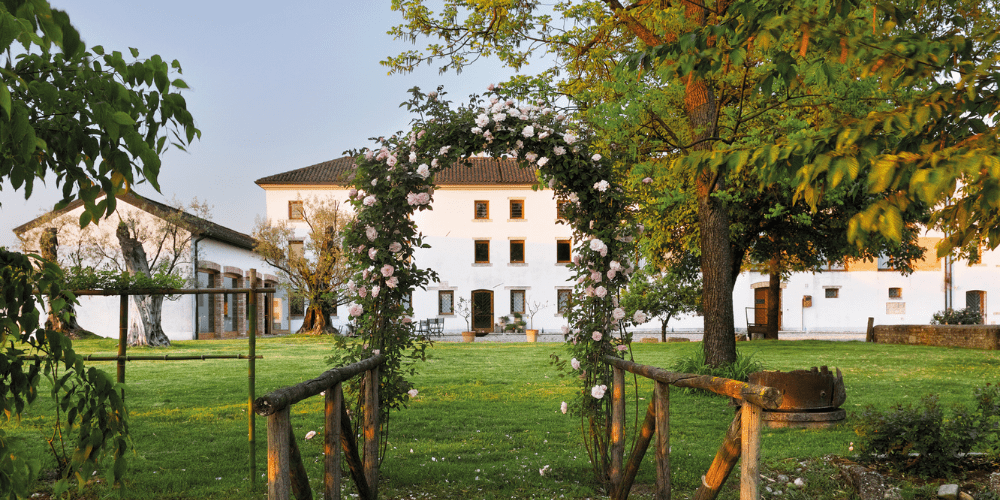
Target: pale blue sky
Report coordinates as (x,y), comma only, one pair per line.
(274,87)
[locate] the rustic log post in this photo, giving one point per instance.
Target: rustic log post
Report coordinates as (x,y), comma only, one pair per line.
(371,425)
(750,460)
(617,427)
(333,403)
(724,463)
(349,444)
(870,332)
(251,379)
(661,397)
(278,449)
(638,451)
(122,338)
(296,470)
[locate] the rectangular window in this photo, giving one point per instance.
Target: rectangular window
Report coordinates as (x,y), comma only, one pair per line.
(295,210)
(516,209)
(563,298)
(296,250)
(482,209)
(564,251)
(561,207)
(883,263)
(482,251)
(517,251)
(895,293)
(832,293)
(446,302)
(517,301)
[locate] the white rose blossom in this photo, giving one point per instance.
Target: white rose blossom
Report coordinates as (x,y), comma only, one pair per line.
(639,317)
(598,391)
(602,186)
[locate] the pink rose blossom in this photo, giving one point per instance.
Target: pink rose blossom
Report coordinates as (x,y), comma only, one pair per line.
(363,292)
(375,290)
(647,180)
(576,259)
(395,247)
(392,282)
(372,252)
(559,150)
(600,291)
(611,274)
(413,393)
(596,276)
(618,314)
(639,317)
(598,391)
(589,292)
(407,320)
(391,161)
(622,347)
(387,270)
(575,363)
(352,193)
(371,233)
(597,336)
(596,245)
(351,286)
(356,310)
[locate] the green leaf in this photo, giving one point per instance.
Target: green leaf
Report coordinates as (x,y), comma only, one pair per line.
(122,118)
(134,51)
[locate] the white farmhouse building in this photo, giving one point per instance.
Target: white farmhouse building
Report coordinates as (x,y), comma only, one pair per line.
(495,239)
(495,242)
(223,258)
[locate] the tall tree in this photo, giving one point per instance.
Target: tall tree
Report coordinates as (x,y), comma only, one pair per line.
(314,270)
(711,79)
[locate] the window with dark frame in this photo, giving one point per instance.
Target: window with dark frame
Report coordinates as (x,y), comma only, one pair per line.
(517,251)
(517,301)
(446,302)
(516,209)
(482,251)
(895,293)
(564,251)
(296,210)
(482,209)
(832,293)
(561,207)
(563,300)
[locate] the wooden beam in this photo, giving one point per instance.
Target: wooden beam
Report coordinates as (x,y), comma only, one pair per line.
(661,398)
(349,444)
(617,427)
(287,396)
(724,463)
(331,438)
(750,460)
(297,471)
(278,449)
(371,430)
(641,445)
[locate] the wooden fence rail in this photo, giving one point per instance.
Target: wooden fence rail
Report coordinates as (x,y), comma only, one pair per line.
(742,439)
(285,472)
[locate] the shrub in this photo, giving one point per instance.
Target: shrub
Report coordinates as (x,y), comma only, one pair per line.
(967,316)
(740,369)
(920,440)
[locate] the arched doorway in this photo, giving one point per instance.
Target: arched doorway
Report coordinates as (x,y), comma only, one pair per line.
(482,311)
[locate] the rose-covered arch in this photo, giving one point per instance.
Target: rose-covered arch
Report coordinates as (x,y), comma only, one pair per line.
(397,179)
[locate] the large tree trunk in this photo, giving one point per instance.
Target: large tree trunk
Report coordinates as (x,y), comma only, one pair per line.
(773,299)
(146,329)
(48,243)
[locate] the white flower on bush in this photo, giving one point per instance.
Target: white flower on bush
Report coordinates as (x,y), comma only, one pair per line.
(355,310)
(595,276)
(597,245)
(372,253)
(392,282)
(412,392)
(352,286)
(413,157)
(564,407)
(375,290)
(542,161)
(575,363)
(598,391)
(596,157)
(569,137)
(597,336)
(363,292)
(618,314)
(612,273)
(600,291)
(528,131)
(371,233)
(310,435)
(387,270)
(391,161)
(351,193)
(622,347)
(476,130)
(499,117)
(444,150)
(395,247)
(639,317)
(423,170)
(531,157)
(482,120)
(559,150)
(602,186)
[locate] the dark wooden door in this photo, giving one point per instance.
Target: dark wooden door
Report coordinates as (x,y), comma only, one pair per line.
(976,300)
(760,306)
(482,310)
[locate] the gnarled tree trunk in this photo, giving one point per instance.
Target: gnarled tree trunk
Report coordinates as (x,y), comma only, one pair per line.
(145,310)
(48,243)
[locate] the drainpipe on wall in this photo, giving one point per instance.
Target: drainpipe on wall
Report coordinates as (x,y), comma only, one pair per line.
(196,297)
(948,295)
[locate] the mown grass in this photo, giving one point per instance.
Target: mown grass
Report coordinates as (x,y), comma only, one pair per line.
(485,422)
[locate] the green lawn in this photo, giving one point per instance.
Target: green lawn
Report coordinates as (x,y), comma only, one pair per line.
(486,420)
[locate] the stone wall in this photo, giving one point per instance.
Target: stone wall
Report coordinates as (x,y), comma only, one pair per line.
(969,336)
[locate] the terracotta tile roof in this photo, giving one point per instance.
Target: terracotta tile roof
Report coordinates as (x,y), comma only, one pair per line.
(474,171)
(192,223)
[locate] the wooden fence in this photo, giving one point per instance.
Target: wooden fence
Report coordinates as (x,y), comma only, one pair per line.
(285,472)
(742,438)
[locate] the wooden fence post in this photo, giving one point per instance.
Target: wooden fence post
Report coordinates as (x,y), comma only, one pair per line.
(750,460)
(331,442)
(251,378)
(725,461)
(617,427)
(371,425)
(662,398)
(870,332)
(279,484)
